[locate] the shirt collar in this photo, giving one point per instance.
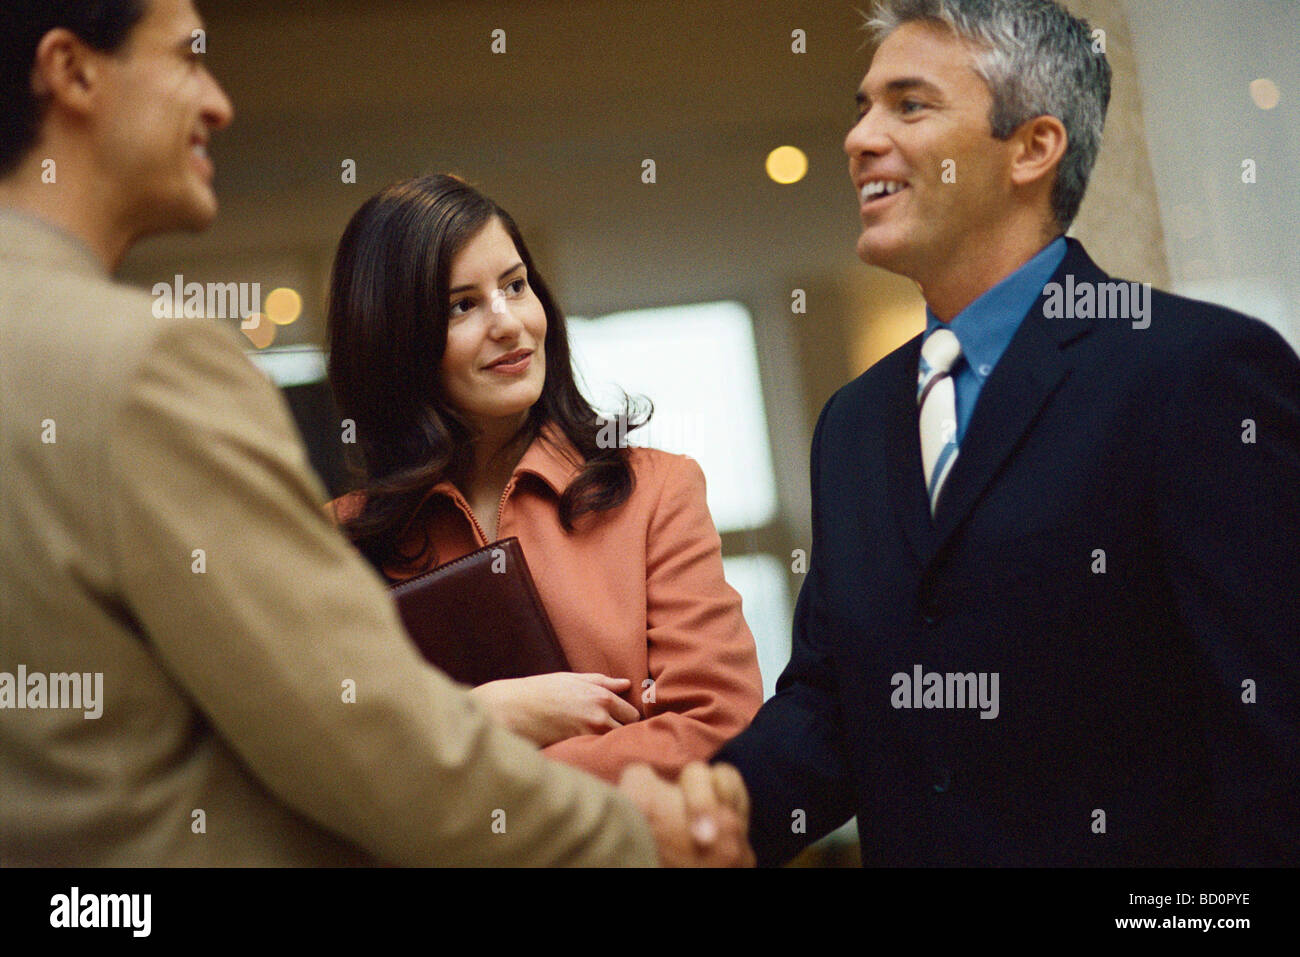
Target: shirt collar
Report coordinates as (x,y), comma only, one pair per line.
(986,326)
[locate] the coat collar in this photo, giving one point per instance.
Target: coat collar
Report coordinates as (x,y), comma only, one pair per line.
(550,456)
(1033,367)
(27,238)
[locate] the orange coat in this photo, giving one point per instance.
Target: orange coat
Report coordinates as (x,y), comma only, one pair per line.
(634,592)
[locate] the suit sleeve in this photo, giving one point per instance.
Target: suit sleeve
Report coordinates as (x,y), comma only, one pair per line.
(1229,517)
(291,648)
(791,757)
(701,655)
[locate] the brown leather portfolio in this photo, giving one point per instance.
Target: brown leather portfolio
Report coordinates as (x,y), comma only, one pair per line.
(479,618)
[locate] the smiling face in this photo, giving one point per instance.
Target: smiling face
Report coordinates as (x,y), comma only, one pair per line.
(494,365)
(932,182)
(159,107)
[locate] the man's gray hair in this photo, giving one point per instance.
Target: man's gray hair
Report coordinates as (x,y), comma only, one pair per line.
(1038,60)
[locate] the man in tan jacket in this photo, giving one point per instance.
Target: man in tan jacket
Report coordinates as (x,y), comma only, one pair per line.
(195,668)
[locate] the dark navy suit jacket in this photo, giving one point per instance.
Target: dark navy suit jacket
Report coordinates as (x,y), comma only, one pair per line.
(1111,544)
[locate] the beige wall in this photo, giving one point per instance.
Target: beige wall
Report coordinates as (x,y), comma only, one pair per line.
(1120,219)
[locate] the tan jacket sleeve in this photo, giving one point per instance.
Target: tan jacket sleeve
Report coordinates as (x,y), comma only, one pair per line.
(291,647)
(701,655)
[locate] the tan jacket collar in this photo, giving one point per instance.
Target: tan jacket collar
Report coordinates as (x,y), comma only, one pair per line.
(27,238)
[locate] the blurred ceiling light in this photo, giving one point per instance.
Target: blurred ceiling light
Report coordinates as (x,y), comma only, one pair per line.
(283,306)
(1265,93)
(787,164)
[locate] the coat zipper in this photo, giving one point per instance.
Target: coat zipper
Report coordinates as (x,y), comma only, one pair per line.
(501,509)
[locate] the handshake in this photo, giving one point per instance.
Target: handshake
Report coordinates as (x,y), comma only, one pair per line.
(701,821)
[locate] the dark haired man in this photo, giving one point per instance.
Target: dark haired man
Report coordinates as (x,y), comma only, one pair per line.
(196,668)
(1053,611)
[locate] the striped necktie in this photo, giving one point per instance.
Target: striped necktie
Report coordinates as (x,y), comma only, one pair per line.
(937,400)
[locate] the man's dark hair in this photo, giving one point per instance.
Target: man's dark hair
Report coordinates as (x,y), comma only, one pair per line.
(101,24)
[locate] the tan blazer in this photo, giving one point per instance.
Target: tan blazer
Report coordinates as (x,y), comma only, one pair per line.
(260,704)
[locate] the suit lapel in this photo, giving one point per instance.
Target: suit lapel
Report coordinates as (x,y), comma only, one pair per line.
(1032,368)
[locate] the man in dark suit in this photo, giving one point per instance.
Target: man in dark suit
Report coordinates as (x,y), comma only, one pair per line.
(1052,615)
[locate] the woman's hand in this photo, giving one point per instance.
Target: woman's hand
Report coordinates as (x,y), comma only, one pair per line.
(549,708)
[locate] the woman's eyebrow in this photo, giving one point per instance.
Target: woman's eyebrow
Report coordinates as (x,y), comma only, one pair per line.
(518,265)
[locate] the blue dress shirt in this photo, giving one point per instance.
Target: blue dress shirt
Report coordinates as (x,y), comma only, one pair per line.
(985,327)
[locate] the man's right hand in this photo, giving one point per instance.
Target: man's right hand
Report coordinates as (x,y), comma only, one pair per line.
(549,708)
(702,821)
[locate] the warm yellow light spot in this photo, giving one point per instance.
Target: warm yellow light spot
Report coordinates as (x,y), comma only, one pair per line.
(787,164)
(260,332)
(283,306)
(1265,93)
(880,334)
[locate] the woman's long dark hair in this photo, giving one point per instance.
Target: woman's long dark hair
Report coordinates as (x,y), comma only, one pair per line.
(388,315)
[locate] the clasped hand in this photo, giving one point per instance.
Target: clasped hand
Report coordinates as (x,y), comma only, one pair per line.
(702,821)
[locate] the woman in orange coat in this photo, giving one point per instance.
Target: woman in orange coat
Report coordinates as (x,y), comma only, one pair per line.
(449,354)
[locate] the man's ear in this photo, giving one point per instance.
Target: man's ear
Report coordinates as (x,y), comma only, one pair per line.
(1037,148)
(66,72)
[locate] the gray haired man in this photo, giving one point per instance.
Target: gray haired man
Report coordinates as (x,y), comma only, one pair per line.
(1051,616)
